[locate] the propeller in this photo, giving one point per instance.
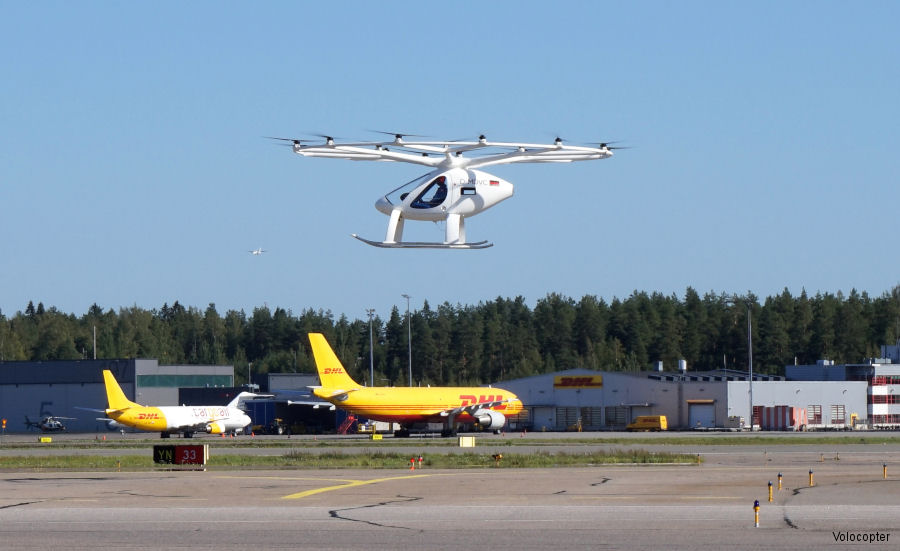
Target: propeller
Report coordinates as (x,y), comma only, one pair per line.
(481,138)
(328,139)
(294,141)
(399,135)
(607,145)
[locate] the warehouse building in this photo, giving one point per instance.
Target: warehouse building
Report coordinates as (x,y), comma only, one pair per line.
(881,376)
(594,400)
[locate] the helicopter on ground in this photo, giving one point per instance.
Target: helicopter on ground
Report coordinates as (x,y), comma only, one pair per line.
(48,423)
(454,190)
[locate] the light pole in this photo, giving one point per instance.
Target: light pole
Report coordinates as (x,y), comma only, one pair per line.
(749,352)
(371,312)
(750,360)
(409,336)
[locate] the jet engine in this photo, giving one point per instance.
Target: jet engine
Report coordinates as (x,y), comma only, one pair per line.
(215,428)
(112,425)
(490,419)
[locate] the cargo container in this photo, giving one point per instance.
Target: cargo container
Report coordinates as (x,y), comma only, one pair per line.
(783,418)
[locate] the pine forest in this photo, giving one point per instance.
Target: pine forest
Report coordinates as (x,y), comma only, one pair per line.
(489,342)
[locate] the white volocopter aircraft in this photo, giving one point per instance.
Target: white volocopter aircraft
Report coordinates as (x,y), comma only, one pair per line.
(454,190)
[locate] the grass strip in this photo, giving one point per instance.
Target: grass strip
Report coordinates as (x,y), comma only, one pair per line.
(339,460)
(781,439)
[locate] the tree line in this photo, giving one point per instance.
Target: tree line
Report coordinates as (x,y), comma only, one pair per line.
(491,341)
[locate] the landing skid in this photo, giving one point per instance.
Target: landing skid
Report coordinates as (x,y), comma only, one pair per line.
(424,244)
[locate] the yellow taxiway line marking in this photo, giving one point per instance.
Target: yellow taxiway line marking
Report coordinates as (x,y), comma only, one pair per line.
(351,484)
(290,478)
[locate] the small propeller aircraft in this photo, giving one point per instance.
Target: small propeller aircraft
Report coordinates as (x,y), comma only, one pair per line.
(257,252)
(48,423)
(454,190)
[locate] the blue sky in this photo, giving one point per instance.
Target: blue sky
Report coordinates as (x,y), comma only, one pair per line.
(133,170)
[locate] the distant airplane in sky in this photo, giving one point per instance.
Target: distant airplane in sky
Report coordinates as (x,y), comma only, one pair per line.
(257,252)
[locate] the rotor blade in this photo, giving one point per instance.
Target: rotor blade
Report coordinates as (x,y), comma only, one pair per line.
(292,140)
(399,135)
(326,137)
(608,145)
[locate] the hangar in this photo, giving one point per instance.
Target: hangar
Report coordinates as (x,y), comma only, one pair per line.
(597,400)
(59,388)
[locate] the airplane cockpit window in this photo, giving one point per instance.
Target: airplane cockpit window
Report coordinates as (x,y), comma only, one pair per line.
(433,195)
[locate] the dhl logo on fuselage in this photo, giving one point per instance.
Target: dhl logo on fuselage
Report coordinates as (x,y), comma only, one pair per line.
(140,418)
(470,399)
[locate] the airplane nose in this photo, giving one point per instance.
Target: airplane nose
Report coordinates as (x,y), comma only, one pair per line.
(384,206)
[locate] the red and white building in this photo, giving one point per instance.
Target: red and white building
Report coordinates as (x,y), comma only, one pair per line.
(882,376)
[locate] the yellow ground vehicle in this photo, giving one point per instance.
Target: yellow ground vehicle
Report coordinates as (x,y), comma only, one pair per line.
(648,423)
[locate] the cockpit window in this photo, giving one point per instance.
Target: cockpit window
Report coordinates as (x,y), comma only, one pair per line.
(433,195)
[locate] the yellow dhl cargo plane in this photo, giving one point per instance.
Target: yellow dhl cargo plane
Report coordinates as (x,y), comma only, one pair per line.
(411,407)
(171,419)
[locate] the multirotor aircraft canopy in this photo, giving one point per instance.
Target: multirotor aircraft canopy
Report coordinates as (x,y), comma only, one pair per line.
(454,189)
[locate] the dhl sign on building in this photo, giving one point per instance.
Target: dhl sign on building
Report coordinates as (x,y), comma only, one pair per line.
(578,381)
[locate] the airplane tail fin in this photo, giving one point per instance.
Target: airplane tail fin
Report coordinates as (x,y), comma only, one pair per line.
(114,396)
(332,374)
(244,396)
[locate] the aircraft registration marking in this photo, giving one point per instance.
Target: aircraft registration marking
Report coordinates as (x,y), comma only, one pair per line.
(351,484)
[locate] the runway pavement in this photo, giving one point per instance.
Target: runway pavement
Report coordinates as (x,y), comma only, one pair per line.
(606,507)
